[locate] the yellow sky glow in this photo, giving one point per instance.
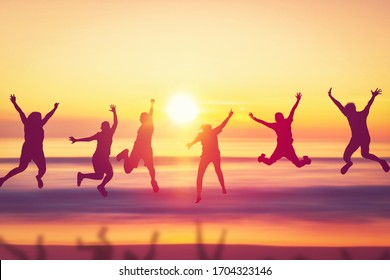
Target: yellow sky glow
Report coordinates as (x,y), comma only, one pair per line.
(248,55)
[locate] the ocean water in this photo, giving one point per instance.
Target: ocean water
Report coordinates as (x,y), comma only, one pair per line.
(277,205)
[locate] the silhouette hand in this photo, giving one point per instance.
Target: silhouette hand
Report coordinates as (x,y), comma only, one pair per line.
(251,116)
(56,105)
(112,108)
(72,139)
(188,145)
(12,98)
(231,113)
(330,92)
(298,95)
(152,101)
(376,92)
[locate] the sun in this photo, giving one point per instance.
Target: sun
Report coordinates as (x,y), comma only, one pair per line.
(182,108)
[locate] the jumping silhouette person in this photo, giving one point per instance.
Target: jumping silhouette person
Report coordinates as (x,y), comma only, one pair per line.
(360,135)
(32,149)
(284,147)
(142,148)
(210,154)
(101,157)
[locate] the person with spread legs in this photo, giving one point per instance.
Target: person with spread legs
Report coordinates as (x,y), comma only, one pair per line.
(142,148)
(32,149)
(359,129)
(101,158)
(210,154)
(284,147)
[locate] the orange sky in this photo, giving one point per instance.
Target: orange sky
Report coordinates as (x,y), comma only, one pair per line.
(248,55)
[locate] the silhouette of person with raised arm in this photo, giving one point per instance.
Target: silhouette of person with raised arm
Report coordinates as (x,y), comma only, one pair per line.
(360,135)
(102,251)
(32,149)
(142,148)
(210,154)
(284,147)
(101,157)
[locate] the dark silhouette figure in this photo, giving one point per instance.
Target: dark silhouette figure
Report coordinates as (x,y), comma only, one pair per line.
(32,149)
(360,135)
(284,147)
(129,255)
(201,250)
(101,157)
(19,254)
(210,154)
(142,148)
(102,251)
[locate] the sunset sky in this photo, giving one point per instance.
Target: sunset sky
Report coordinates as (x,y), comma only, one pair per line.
(252,56)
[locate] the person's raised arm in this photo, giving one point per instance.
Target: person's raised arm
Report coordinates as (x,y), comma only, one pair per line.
(224,123)
(298,97)
(196,140)
(115,124)
(22,115)
(86,139)
(374,93)
(335,101)
(260,121)
(50,114)
(151,107)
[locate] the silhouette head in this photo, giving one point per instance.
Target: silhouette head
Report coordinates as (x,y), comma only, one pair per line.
(105,126)
(279,117)
(206,128)
(35,117)
(144,118)
(350,107)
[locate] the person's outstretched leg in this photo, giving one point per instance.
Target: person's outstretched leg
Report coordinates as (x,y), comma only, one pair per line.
(92,176)
(40,161)
(292,156)
(97,167)
(365,150)
(218,170)
(153,181)
(300,163)
(132,160)
(199,179)
(23,163)
(100,166)
(109,174)
(276,155)
(349,150)
(124,155)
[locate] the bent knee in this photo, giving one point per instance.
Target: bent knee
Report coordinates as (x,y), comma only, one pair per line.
(366,154)
(22,166)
